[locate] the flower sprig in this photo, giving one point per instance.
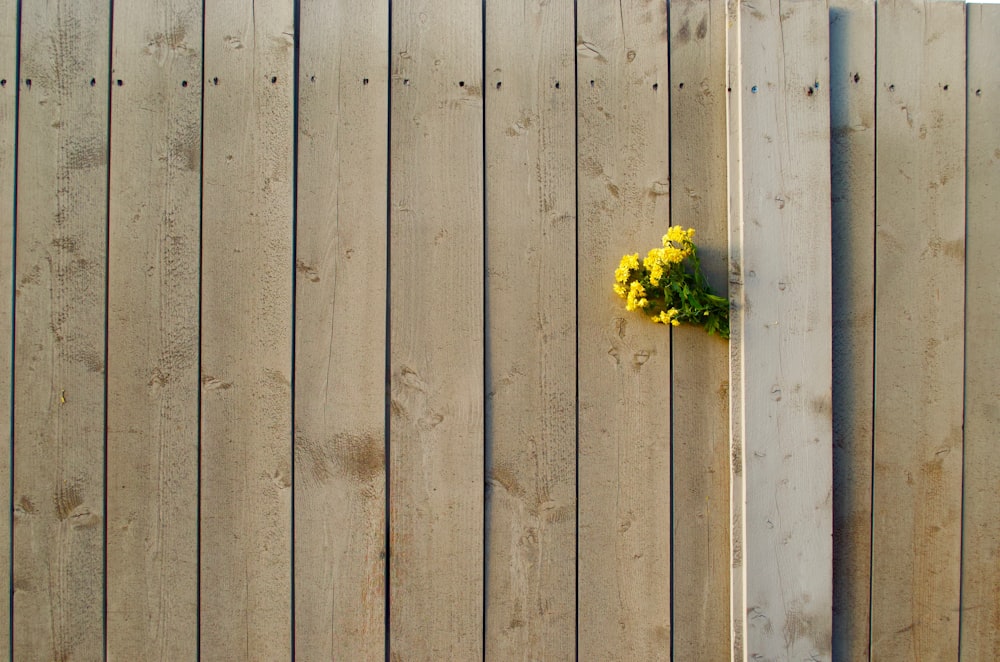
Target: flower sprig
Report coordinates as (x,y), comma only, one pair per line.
(669,287)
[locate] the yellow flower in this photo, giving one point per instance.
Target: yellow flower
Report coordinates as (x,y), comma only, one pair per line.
(619,290)
(628,263)
(636,294)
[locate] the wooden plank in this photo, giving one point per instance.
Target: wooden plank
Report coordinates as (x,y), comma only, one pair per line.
(734,192)
(8,129)
(852,119)
(246,334)
(980,621)
(624,360)
(701,568)
(59,330)
(785,328)
(340,332)
(531,331)
(152,410)
(436,332)
(919,293)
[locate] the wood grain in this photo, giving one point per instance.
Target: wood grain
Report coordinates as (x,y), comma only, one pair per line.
(340,332)
(624,359)
(734,193)
(531,331)
(852,111)
(785,337)
(436,332)
(246,334)
(59,352)
(153,272)
(700,389)
(980,622)
(8,133)
(919,296)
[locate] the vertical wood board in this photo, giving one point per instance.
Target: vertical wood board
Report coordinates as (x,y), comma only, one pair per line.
(700,388)
(919,293)
(436,332)
(980,622)
(152,410)
(734,194)
(246,334)
(531,331)
(785,328)
(60,319)
(340,332)
(624,359)
(8,172)
(852,120)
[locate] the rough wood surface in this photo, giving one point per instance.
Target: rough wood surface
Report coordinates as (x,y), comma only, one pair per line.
(60,317)
(152,410)
(8,128)
(246,337)
(785,324)
(340,332)
(980,626)
(700,362)
(624,359)
(436,332)
(852,119)
(920,269)
(531,331)
(734,193)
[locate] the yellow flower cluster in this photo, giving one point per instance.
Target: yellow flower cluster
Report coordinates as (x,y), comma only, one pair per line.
(669,287)
(628,264)
(636,297)
(667,317)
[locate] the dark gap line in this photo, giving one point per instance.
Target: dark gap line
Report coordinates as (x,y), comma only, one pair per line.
(13,329)
(874,291)
(387,614)
(487,423)
(670,342)
(576,314)
(107,301)
(297,32)
(197,384)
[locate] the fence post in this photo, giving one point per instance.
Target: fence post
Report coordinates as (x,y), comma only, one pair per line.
(778,59)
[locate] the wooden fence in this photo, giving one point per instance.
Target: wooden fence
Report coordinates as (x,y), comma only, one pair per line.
(314,352)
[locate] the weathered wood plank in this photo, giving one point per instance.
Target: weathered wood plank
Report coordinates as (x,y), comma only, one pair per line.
(919,296)
(701,568)
(737,496)
(531,331)
(60,317)
(436,332)
(852,119)
(980,621)
(152,410)
(8,129)
(246,334)
(785,328)
(624,359)
(340,332)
